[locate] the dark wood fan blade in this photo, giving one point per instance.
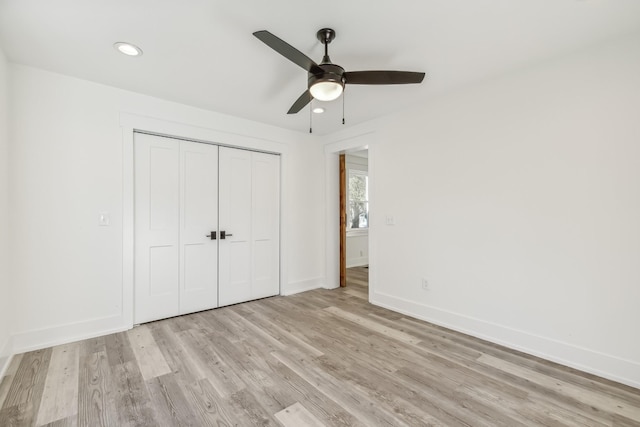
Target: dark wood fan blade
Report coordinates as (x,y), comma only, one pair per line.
(288,51)
(300,103)
(383,77)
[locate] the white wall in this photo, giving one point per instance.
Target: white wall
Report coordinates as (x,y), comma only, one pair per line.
(5,295)
(67,165)
(306,257)
(357,252)
(518,199)
(357,242)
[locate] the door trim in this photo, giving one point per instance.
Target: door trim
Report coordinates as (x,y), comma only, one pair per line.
(364,138)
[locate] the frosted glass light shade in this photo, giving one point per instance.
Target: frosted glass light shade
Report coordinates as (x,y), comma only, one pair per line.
(326,91)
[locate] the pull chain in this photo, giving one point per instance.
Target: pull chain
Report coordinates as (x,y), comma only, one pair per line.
(311,117)
(343,95)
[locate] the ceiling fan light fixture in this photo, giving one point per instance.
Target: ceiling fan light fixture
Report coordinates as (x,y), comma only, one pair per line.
(326,90)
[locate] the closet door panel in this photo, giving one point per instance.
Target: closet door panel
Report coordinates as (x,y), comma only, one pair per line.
(235,219)
(198,218)
(157,201)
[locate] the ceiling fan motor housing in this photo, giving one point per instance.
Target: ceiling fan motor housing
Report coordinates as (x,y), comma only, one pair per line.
(332,73)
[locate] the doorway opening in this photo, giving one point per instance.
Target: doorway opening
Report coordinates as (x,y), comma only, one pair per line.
(354,218)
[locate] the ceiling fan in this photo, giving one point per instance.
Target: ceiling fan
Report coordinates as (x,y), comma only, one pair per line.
(327,80)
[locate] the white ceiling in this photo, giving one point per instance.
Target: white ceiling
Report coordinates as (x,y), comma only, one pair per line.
(202,52)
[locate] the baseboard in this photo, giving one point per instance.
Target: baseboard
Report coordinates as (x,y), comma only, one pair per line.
(603,365)
(63,334)
(303,286)
(357,262)
(6,354)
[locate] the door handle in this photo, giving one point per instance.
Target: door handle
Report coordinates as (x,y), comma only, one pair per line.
(212,235)
(224,234)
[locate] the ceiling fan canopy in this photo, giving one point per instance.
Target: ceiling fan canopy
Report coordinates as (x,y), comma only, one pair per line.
(326,81)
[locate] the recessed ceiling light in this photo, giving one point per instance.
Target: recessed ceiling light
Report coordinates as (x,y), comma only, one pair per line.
(318,110)
(128,49)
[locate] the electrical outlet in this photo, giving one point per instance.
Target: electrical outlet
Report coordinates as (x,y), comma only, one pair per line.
(425,284)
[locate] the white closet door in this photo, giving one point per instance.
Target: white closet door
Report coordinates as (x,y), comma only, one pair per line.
(176,207)
(234,283)
(198,219)
(266,225)
(157,213)
(180,189)
(249,197)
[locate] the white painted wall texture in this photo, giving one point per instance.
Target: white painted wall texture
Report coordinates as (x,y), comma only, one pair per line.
(522,210)
(306,258)
(67,166)
(5,292)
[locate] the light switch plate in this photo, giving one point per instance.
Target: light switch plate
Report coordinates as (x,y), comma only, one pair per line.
(104,219)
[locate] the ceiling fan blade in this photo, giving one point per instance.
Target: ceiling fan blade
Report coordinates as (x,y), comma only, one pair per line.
(383,77)
(288,51)
(301,102)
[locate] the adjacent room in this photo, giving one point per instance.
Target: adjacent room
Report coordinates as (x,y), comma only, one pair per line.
(319,214)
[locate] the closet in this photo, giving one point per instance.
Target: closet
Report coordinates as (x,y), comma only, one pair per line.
(206,226)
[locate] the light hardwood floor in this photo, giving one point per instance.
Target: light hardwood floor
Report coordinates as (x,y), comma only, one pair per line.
(318,358)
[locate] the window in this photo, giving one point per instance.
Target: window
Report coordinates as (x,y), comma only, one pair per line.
(357,200)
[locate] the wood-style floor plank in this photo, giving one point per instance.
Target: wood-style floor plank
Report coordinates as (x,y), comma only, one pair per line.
(247,404)
(297,415)
(95,404)
(319,404)
(131,396)
(167,395)
(149,357)
(319,358)
(22,403)
(222,377)
(354,401)
(118,348)
(177,357)
(60,396)
(15,363)
(71,421)
(601,401)
(28,382)
(5,384)
(209,407)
